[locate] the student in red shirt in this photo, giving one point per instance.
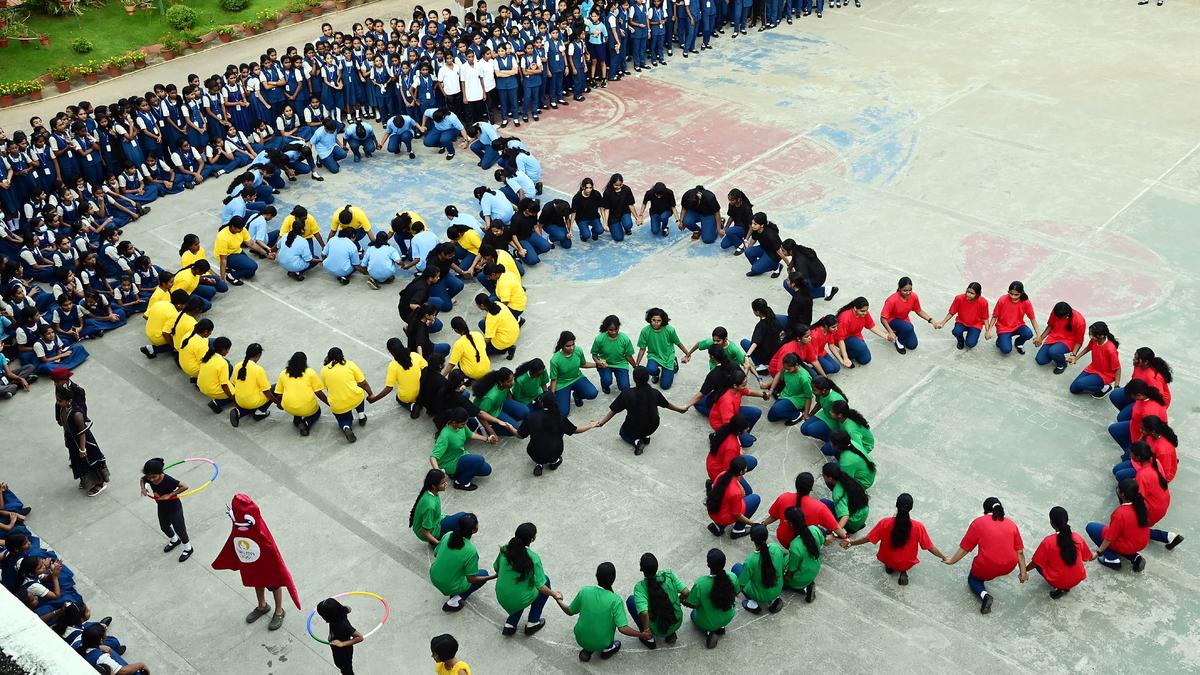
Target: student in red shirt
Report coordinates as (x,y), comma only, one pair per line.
(852,319)
(1008,320)
(728,504)
(1061,338)
(1161,439)
(1146,401)
(727,399)
(1149,368)
(724,446)
(1127,532)
(816,346)
(1153,483)
(971,308)
(1104,372)
(898,538)
(895,315)
(1060,556)
(1000,551)
(814,511)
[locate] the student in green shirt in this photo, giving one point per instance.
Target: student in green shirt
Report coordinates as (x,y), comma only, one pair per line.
(530,380)
(612,351)
(853,423)
(849,502)
(426,519)
(821,423)
(601,616)
(659,340)
(492,396)
(566,374)
(761,576)
(804,554)
(521,582)
(655,603)
(450,454)
(720,338)
(854,462)
(794,385)
(455,570)
(714,597)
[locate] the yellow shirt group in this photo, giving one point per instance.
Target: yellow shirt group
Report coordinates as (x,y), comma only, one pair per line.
(501,328)
(187,257)
(510,292)
(229,242)
(185,280)
(358,221)
(213,373)
(470,241)
(183,327)
(310,227)
(190,354)
(159,317)
(341,386)
(299,393)
(160,294)
(464,356)
(248,391)
(406,381)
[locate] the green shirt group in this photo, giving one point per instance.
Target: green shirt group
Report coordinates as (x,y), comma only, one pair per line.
(615,352)
(660,344)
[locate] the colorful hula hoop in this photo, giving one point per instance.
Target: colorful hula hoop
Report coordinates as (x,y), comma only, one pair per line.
(386,612)
(216,472)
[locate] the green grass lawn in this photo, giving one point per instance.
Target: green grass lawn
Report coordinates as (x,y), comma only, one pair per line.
(111,32)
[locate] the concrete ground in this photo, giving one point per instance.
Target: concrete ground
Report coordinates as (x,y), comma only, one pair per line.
(1054,143)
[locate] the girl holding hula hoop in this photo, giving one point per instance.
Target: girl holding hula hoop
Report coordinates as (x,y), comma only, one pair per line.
(165,491)
(425,518)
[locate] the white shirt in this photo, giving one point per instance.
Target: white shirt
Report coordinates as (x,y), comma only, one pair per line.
(448,76)
(471,83)
(487,70)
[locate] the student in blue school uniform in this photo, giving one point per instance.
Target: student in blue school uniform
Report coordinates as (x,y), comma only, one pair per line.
(380,261)
(709,10)
(486,135)
(360,138)
(555,57)
(333,86)
(507,79)
(638,24)
(380,82)
(400,130)
(326,149)
(443,128)
(577,58)
(342,258)
(533,79)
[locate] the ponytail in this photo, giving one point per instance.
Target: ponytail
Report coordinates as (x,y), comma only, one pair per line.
(795,518)
(1100,329)
(843,409)
(1066,542)
(253,351)
(902,525)
(841,442)
(399,352)
(460,326)
(992,506)
(767,571)
(734,427)
(1156,363)
(716,493)
(1155,425)
(659,605)
(220,344)
(723,593)
(433,478)
(1130,493)
(856,495)
(517,551)
(1142,454)
(466,527)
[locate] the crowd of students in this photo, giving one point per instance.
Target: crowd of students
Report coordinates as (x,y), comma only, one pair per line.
(72,240)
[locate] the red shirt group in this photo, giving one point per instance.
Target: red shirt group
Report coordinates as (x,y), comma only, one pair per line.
(903,558)
(970,313)
(998,542)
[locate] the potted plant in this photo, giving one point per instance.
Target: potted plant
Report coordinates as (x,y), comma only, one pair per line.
(252,27)
(225,33)
(191,39)
(113,65)
(7,93)
(295,8)
(270,20)
(314,7)
(30,88)
(137,57)
(130,6)
(62,78)
(170,47)
(88,69)
(44,39)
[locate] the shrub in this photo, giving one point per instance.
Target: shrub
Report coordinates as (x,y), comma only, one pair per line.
(182,17)
(60,73)
(189,37)
(172,43)
(267,15)
(234,5)
(295,7)
(227,30)
(20,87)
(81,45)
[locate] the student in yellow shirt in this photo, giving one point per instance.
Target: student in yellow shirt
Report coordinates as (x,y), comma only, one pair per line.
(351,218)
(310,231)
(234,263)
(191,280)
(194,347)
(469,352)
(251,388)
(299,389)
(346,389)
(213,380)
(185,321)
(490,254)
(166,280)
(444,650)
(500,327)
(467,242)
(508,289)
(159,318)
(403,375)
(191,252)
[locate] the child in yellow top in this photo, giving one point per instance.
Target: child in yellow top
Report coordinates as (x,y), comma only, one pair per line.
(191,253)
(350,218)
(194,347)
(160,316)
(251,388)
(213,380)
(299,388)
(469,352)
(403,375)
(500,327)
(310,231)
(508,288)
(444,650)
(185,322)
(468,242)
(346,389)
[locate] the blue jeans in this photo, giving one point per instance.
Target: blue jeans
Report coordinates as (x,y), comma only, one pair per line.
(366,145)
(447,287)
(819,5)
(590,229)
(666,375)
(1056,352)
(347,418)
(554,88)
(241,266)
(484,151)
(1006,341)
(534,247)
(707,24)
(757,357)
(638,47)
(857,350)
(740,12)
(508,103)
(474,587)
(1087,383)
(976,585)
(657,42)
(735,235)
(783,409)
(660,223)
(450,522)
(330,161)
(470,467)
(905,335)
(535,609)
(608,374)
(311,419)
(705,225)
(441,139)
(1124,471)
(966,336)
(558,235)
(404,138)
(533,100)
(815,428)
(760,262)
(581,389)
(1120,433)
(1096,532)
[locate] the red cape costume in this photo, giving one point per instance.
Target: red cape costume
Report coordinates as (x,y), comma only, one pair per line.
(251,550)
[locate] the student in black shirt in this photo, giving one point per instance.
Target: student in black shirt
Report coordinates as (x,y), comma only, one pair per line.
(165,491)
(555,219)
(640,404)
(419,292)
(700,214)
(767,252)
(342,635)
(661,202)
(739,212)
(800,309)
(767,336)
(804,260)
(619,210)
(500,236)
(421,322)
(586,205)
(545,427)
(525,228)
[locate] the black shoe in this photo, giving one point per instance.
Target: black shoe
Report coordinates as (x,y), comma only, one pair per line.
(986,606)
(899,348)
(611,651)
(795,420)
(530,629)
(1175,541)
(414,410)
(715,529)
(148,352)
(537,469)
(1139,564)
(1059,370)
(172,545)
(349,433)
(638,446)
(186,554)
(654,378)
(810,592)
(26,510)
(903,579)
(343,280)
(215,407)
(711,640)
(578,402)
(107,621)
(304,428)
(738,533)
(1057,593)
(234,417)
(650,644)
(672,638)
(510,353)
(469,487)
(121,650)
(832,292)
(1020,349)
(585,655)
(961,345)
(775,606)
(1103,392)
(412,155)
(508,630)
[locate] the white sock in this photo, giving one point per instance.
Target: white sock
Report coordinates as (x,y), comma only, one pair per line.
(454,601)
(174,538)
(187,546)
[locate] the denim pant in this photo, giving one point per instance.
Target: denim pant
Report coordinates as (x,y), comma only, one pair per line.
(558,235)
(657,43)
(533,100)
(1120,433)
(735,235)
(976,585)
(508,103)
(740,13)
(346,419)
(905,335)
(1087,383)
(534,247)
(965,335)
(447,287)
(660,223)
(330,161)
(814,427)
(638,49)
(470,467)
(1124,470)
(535,609)
(760,262)
(554,87)
(666,375)
(607,375)
(708,23)
(582,389)
(857,350)
(819,5)
(513,412)
(1056,352)
(757,357)
(474,587)
(829,364)
(366,145)
(1006,341)
(1096,532)
(783,409)
(705,225)
(241,266)
(450,522)
(484,151)
(590,229)
(310,420)
(752,503)
(441,139)
(401,139)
